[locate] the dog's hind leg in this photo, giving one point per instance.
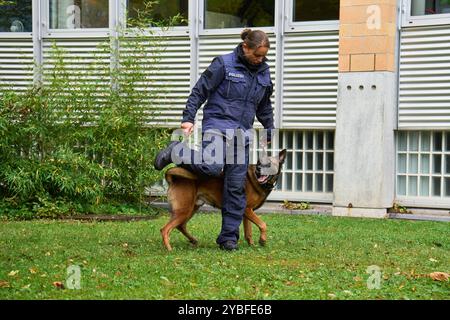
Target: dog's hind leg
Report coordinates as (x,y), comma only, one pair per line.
(183,230)
(183,227)
(181,196)
(175,221)
(251,215)
(248,231)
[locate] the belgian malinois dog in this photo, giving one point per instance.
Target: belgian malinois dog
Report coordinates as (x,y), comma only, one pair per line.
(187,192)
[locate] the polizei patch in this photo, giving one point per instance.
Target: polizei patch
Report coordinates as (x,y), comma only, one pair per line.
(235,75)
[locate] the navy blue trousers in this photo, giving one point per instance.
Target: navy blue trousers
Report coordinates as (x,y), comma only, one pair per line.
(233,162)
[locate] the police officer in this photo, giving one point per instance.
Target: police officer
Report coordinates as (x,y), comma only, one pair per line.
(238,87)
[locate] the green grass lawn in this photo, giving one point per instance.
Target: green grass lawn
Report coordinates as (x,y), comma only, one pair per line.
(306,257)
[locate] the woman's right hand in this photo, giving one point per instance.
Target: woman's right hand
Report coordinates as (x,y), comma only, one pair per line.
(187,127)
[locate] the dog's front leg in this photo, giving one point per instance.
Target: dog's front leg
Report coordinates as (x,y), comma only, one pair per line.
(248,231)
(251,215)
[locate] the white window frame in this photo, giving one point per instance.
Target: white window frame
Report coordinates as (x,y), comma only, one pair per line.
(426,20)
(297,26)
(16,35)
(429,201)
(85,32)
(174,31)
(20,35)
(227,31)
(282,192)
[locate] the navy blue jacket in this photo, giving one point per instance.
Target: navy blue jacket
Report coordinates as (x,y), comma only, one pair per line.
(235,95)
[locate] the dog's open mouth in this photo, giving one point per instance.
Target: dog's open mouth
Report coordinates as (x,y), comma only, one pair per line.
(263,179)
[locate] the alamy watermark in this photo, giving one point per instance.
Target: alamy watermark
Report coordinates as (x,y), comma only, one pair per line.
(374,20)
(374,280)
(73,20)
(73,280)
(220,147)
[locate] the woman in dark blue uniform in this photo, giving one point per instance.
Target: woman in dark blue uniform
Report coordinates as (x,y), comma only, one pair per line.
(237,87)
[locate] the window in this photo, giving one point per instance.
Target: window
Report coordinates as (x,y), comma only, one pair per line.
(15,16)
(239,13)
(423,164)
(162,10)
(427,7)
(309,164)
(426,12)
(79,14)
(318,10)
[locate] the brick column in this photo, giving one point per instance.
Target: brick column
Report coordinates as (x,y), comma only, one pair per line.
(367,44)
(366,110)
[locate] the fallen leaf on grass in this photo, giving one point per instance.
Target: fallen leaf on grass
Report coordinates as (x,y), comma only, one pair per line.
(13,273)
(33,270)
(348,292)
(58,284)
(102,286)
(4,284)
(295,206)
(439,276)
(166,280)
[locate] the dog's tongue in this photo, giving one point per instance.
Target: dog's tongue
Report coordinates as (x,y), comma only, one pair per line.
(262,179)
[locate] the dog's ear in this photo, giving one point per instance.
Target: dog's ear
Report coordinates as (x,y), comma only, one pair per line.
(282,156)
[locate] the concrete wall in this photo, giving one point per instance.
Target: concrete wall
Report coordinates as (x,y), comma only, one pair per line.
(366,109)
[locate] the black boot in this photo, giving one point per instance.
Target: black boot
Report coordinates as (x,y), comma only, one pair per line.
(229,245)
(164,157)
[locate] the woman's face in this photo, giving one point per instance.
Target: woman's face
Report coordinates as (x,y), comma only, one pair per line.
(254,56)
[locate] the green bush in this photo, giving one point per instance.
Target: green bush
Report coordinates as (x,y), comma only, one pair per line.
(72,142)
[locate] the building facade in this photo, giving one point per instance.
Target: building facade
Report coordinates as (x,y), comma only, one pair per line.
(362,87)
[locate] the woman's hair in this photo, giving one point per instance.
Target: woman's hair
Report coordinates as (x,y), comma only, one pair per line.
(255,39)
